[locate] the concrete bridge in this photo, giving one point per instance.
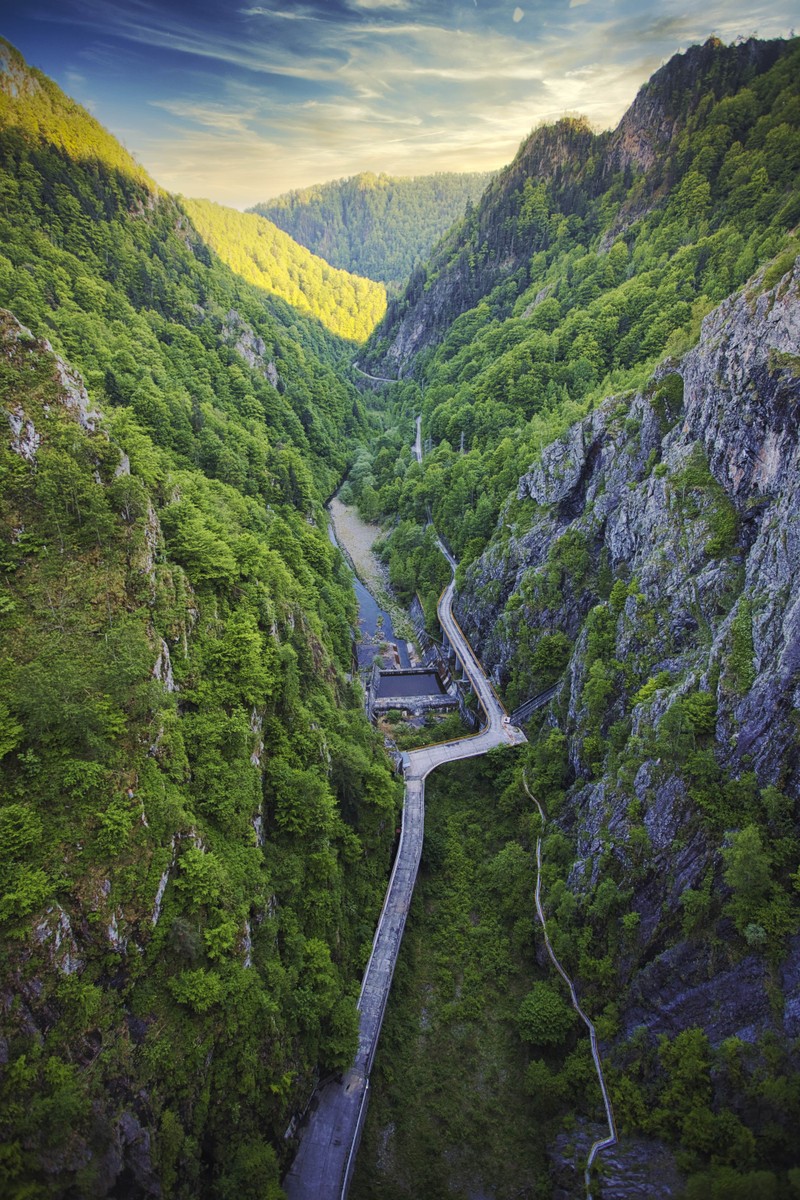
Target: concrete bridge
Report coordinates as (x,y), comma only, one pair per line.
(325,1160)
(520,715)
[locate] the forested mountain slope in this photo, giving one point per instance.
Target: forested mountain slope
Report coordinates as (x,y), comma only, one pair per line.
(195,816)
(583,275)
(614,453)
(30,104)
(259,252)
(376,225)
(649,566)
(699,168)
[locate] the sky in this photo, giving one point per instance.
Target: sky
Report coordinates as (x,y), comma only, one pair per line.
(240,102)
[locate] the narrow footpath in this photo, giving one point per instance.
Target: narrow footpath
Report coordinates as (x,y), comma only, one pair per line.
(324,1163)
(602,1143)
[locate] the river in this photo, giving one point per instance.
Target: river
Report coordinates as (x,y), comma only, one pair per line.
(347,531)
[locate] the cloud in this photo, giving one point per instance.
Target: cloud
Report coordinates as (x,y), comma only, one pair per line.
(369,4)
(245,103)
(218,117)
(280,14)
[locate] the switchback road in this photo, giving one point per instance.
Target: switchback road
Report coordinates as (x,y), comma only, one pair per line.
(324,1163)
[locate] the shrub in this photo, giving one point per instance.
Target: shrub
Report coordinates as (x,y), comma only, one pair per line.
(701,709)
(199,990)
(740,660)
(544,1018)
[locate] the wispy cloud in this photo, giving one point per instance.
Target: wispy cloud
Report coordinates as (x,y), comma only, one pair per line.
(280,14)
(240,103)
(219,117)
(370,4)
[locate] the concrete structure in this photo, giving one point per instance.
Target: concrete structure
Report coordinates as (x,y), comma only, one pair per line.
(520,715)
(325,1160)
(414,690)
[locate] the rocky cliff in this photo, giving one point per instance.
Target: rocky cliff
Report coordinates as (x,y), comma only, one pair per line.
(651,501)
(661,535)
(142,714)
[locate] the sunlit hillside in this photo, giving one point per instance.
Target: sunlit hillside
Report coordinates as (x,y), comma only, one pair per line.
(266,256)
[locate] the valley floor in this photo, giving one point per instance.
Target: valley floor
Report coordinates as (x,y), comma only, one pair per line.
(358,538)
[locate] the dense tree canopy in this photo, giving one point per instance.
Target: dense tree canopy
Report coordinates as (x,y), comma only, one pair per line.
(259,252)
(611,271)
(375,225)
(195,816)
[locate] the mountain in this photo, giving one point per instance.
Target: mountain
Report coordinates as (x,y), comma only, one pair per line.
(195,816)
(649,571)
(196,820)
(605,357)
(587,261)
(707,146)
(259,252)
(376,225)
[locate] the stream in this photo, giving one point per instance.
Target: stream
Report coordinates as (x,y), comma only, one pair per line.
(374,622)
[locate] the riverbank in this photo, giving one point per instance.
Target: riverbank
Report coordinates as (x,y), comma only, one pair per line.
(357,538)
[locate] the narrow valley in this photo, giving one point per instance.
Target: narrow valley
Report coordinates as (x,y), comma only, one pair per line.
(354,628)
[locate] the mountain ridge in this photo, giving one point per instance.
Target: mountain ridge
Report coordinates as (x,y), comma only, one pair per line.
(573,164)
(376,225)
(348,305)
(191,797)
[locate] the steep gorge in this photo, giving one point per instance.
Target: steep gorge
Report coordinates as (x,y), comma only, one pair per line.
(198,819)
(621,483)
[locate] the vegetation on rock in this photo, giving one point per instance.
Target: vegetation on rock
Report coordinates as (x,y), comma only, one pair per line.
(196,817)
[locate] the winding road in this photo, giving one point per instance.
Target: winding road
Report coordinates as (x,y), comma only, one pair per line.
(418,441)
(374,378)
(324,1163)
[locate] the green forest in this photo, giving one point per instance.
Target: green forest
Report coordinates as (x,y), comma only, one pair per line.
(197,820)
(196,815)
(600,298)
(257,251)
(380,226)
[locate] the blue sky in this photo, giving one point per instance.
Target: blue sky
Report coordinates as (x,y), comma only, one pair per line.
(241,101)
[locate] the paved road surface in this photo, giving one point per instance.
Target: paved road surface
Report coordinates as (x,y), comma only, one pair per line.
(375,378)
(325,1159)
(418,441)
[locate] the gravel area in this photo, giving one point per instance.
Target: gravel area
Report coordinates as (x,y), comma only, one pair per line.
(357,538)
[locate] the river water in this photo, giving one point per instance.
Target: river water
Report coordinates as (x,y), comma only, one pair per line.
(374,622)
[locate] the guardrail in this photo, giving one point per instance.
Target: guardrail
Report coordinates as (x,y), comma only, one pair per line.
(325,1161)
(529,707)
(602,1143)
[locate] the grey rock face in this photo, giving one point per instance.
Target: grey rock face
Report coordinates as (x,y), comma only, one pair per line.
(683,988)
(625,478)
(741,392)
(252,348)
(635,1168)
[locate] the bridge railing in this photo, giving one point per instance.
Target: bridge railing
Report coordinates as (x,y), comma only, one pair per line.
(529,707)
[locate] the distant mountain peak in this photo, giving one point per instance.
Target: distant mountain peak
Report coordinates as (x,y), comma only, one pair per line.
(675,90)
